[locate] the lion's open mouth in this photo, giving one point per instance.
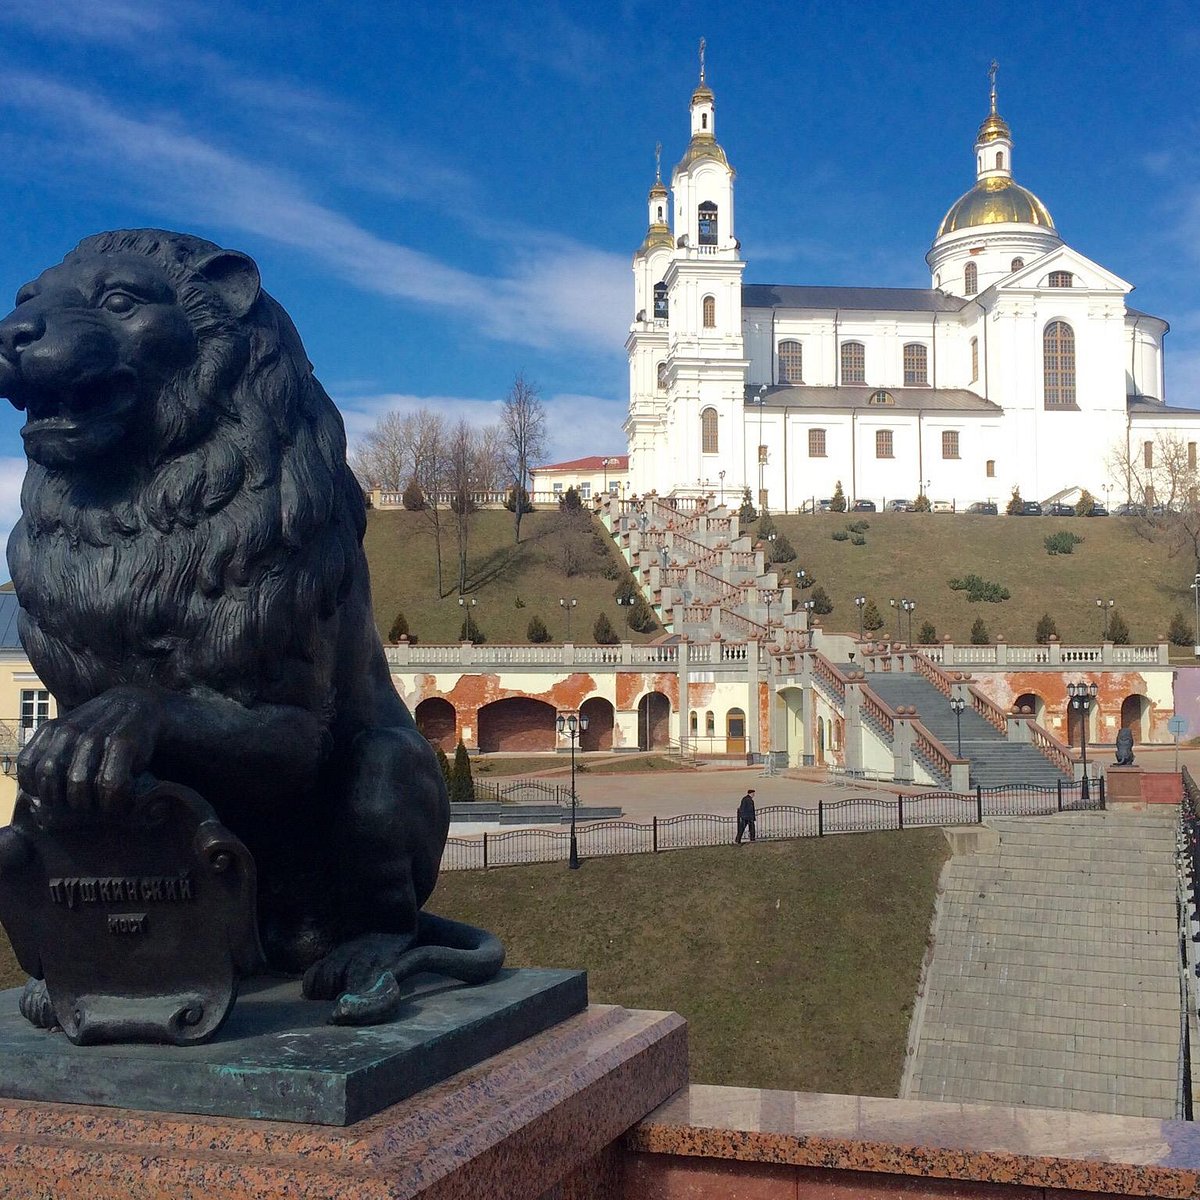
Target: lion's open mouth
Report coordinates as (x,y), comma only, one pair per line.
(65,426)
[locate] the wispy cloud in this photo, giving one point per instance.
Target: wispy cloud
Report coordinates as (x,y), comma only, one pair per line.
(559,290)
(12,474)
(103,21)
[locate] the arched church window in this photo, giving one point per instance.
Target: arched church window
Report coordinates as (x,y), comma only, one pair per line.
(704,120)
(660,212)
(708,223)
(999,160)
(708,431)
(970,279)
(854,362)
(1016,264)
(1058,364)
(881,397)
(916,364)
(1061,279)
(710,312)
(661,378)
(883,443)
(660,301)
(791,362)
(974,359)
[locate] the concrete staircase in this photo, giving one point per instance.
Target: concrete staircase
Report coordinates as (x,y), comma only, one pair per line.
(995,762)
(1054,974)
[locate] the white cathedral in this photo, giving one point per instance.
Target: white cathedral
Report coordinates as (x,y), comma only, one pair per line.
(1021,366)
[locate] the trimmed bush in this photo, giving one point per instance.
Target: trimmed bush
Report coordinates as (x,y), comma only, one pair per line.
(840,535)
(413,498)
(921,503)
(872,617)
(859,526)
(641,616)
(1118,630)
(515,494)
(1180,631)
(399,629)
(1046,629)
(1062,542)
(979,633)
(462,786)
(766,526)
(928,634)
(470,632)
(857,539)
(838,503)
(603,632)
(1085,504)
(570,501)
(1015,503)
(747,513)
(537,631)
(822,605)
(780,550)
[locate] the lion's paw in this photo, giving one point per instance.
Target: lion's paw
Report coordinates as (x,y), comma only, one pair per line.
(35,1005)
(359,975)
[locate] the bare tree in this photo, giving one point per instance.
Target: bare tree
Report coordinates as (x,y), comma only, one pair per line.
(428,467)
(1162,478)
(524,424)
(462,465)
(491,470)
(383,459)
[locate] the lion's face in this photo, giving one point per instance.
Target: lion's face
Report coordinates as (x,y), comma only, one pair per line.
(91,346)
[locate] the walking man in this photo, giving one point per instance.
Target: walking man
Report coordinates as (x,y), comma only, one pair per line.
(745,816)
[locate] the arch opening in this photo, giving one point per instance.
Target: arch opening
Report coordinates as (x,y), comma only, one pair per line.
(518,724)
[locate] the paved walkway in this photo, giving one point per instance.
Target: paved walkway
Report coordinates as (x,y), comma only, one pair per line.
(1054,979)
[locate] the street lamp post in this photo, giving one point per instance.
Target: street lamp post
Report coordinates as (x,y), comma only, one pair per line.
(1196,593)
(1081,697)
(762,400)
(957,703)
(568,604)
(896,605)
(573,726)
(771,595)
(467,603)
(721,477)
(1105,607)
(859,602)
(908,606)
(627,602)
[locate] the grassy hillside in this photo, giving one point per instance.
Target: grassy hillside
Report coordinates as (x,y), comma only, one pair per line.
(511,583)
(795,963)
(915,554)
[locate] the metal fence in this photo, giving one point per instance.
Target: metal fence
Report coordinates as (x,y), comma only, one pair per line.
(855,814)
(512,790)
(1188,864)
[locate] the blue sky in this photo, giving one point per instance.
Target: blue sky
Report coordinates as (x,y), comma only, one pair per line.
(443,195)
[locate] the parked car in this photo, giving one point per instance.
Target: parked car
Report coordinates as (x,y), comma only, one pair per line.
(1059,510)
(898,506)
(1098,510)
(816,506)
(1028,508)
(983,508)
(1129,510)
(863,506)
(941,506)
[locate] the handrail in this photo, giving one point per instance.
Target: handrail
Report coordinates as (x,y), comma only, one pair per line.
(985,706)
(750,628)
(1058,753)
(827,671)
(928,669)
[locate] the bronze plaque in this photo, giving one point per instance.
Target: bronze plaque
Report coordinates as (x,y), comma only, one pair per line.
(141,928)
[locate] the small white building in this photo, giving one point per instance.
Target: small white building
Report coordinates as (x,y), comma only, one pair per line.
(1022,365)
(597,475)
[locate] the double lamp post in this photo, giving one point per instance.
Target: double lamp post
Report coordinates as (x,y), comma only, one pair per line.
(1081,697)
(572,726)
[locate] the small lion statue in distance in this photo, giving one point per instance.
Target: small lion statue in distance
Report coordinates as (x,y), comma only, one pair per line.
(194,592)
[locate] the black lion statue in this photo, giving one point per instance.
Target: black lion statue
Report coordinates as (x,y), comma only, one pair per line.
(1125,747)
(194,592)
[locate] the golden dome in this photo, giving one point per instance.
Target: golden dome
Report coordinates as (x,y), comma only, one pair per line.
(702,145)
(657,235)
(995,126)
(702,93)
(996,201)
(659,189)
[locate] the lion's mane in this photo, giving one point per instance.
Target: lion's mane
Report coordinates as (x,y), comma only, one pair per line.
(217,554)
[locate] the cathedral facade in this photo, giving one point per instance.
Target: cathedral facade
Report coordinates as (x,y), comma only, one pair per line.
(1022,365)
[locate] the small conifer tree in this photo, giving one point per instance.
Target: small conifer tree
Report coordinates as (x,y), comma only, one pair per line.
(766,526)
(462,786)
(641,616)
(1180,632)
(444,764)
(603,631)
(838,503)
(872,617)
(1118,629)
(928,634)
(822,605)
(747,513)
(470,632)
(780,550)
(979,633)
(1046,629)
(537,631)
(413,498)
(399,629)
(1085,505)
(1015,503)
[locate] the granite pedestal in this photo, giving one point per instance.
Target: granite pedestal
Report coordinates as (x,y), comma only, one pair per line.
(277,1058)
(539,1120)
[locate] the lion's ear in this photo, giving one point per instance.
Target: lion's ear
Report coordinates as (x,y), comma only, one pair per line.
(234,277)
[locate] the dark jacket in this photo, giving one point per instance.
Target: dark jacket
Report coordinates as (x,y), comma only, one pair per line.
(746,808)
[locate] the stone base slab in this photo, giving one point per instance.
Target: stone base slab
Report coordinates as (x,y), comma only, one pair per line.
(516,1127)
(1133,789)
(277,1058)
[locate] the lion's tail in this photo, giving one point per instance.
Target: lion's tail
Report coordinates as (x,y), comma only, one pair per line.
(444,947)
